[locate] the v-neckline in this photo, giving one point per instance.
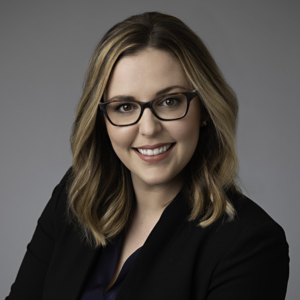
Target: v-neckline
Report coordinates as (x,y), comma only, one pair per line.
(172,217)
(126,265)
(124,270)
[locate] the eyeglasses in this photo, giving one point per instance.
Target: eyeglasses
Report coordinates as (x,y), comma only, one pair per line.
(127,112)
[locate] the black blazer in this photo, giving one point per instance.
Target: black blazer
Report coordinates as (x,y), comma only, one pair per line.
(239,260)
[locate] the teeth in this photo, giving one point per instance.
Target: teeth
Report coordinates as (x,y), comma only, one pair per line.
(156,151)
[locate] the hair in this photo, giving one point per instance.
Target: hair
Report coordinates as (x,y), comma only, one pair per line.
(100,190)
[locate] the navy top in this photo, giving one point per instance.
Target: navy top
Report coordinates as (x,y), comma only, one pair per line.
(103,270)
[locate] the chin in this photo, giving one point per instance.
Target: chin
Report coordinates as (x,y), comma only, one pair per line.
(156,180)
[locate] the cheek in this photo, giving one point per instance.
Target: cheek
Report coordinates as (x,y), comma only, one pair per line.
(120,137)
(194,120)
(189,136)
(190,127)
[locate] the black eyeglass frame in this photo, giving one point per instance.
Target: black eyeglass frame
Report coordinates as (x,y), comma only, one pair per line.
(189,97)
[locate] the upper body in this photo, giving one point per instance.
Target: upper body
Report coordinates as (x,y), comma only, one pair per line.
(243,259)
(154,153)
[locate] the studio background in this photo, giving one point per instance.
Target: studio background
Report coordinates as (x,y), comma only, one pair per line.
(45,47)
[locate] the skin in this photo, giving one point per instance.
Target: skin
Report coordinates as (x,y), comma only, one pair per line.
(155,184)
(141,76)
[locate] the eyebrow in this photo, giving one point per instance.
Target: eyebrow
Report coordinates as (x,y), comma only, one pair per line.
(159,93)
(168,89)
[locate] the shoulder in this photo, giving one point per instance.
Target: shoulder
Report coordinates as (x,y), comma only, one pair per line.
(252,234)
(255,250)
(250,220)
(253,241)
(249,253)
(54,214)
(250,216)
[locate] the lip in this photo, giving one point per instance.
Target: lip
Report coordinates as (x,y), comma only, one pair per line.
(155,158)
(152,146)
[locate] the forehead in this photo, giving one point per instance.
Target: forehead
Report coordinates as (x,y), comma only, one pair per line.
(146,73)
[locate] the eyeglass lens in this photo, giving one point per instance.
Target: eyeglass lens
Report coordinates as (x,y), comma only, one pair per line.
(122,112)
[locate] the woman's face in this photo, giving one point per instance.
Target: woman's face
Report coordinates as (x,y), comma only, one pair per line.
(142,77)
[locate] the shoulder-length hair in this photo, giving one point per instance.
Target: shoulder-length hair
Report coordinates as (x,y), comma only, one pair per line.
(100,191)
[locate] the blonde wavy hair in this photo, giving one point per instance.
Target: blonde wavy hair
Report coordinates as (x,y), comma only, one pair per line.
(100,191)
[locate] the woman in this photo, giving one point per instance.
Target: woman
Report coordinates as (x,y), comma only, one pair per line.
(150,208)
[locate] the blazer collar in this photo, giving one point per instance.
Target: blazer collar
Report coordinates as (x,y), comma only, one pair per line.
(171,219)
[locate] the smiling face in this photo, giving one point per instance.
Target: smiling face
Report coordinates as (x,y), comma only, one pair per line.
(144,76)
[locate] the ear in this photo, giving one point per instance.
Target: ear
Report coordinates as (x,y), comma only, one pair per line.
(205,118)
(203,123)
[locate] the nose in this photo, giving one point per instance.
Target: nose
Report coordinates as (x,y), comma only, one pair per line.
(149,125)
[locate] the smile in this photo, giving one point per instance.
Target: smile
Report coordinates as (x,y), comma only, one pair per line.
(154,155)
(156,151)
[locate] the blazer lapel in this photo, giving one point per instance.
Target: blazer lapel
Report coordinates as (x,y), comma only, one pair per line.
(172,218)
(73,259)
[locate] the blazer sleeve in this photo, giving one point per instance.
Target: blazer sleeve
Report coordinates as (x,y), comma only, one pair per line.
(32,273)
(256,266)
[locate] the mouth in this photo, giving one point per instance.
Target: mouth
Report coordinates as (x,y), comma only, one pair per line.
(156,151)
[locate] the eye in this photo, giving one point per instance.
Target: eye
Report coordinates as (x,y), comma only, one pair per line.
(170,101)
(125,107)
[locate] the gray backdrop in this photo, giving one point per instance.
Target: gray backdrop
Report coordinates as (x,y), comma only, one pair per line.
(45,47)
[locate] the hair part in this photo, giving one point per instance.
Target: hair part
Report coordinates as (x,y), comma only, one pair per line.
(100,189)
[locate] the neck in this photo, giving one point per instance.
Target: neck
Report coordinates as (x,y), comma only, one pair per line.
(151,200)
